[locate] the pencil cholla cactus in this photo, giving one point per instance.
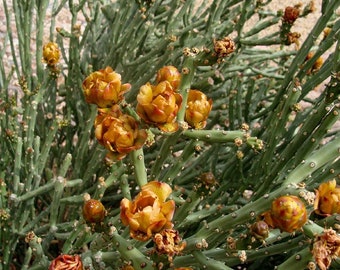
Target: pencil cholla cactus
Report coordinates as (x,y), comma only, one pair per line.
(169,135)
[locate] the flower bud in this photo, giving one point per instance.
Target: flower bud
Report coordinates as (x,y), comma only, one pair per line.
(149,212)
(118,132)
(51,54)
(158,105)
(288,213)
(260,230)
(104,88)
(198,109)
(170,74)
(94,211)
(290,15)
(327,201)
(68,262)
(208,178)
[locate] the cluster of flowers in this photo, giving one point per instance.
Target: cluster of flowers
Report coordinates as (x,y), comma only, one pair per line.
(288,213)
(116,131)
(149,213)
(157,106)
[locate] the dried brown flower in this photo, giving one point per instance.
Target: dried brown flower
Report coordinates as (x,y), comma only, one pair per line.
(168,242)
(291,14)
(326,247)
(66,262)
(224,47)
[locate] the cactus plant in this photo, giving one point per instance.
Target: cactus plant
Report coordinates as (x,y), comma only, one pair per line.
(158,134)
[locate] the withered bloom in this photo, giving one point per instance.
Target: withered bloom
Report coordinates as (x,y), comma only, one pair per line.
(168,242)
(288,213)
(198,109)
(224,47)
(293,37)
(66,262)
(170,74)
(149,212)
(327,201)
(104,88)
(158,105)
(326,247)
(118,132)
(291,14)
(51,54)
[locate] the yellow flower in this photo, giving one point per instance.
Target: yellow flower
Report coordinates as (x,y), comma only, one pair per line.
(170,74)
(288,213)
(316,65)
(118,132)
(104,88)
(158,105)
(149,212)
(69,262)
(198,109)
(327,201)
(51,54)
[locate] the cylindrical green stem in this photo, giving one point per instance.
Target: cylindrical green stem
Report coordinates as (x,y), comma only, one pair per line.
(130,253)
(137,157)
(188,72)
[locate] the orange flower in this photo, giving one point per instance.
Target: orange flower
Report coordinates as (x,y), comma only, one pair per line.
(51,54)
(288,213)
(158,105)
(170,74)
(104,88)
(66,262)
(198,109)
(149,212)
(118,132)
(94,211)
(327,201)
